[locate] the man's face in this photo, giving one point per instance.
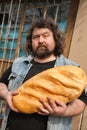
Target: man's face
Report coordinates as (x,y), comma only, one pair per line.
(43,43)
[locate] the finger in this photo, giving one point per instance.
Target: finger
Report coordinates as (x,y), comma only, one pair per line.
(42,111)
(51,102)
(10,101)
(60,103)
(12,106)
(46,105)
(14,93)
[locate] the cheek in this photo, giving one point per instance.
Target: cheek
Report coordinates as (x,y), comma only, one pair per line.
(51,44)
(34,45)
(52,47)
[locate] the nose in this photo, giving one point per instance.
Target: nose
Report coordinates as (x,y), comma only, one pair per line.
(41,39)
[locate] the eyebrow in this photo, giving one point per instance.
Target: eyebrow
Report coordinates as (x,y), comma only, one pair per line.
(46,32)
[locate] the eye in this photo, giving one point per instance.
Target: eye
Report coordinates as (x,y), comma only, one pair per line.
(45,35)
(35,37)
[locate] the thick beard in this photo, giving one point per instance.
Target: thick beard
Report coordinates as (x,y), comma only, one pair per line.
(42,54)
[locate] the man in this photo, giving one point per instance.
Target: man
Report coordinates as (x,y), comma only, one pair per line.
(44,47)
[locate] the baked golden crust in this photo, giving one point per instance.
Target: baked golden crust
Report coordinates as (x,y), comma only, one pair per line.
(64,83)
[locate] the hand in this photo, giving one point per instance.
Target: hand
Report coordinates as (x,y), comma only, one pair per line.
(8,98)
(56,108)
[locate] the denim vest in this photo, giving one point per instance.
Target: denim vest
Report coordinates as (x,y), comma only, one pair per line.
(20,68)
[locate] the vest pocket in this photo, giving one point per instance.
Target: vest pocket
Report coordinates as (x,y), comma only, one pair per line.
(15,81)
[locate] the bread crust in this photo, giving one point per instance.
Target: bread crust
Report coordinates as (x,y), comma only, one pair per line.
(64,83)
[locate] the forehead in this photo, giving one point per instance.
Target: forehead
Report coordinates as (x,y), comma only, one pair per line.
(41,31)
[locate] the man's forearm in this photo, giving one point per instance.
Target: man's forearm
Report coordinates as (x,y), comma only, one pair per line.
(75,108)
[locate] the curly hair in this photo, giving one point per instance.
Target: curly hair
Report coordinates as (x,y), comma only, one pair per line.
(52,26)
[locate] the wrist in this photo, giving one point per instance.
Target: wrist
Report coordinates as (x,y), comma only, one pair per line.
(3,91)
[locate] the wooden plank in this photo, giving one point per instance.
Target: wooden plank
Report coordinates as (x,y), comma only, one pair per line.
(84,121)
(77,120)
(21,29)
(70,25)
(4,65)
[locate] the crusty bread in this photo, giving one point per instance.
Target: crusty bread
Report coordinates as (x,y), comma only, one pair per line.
(64,83)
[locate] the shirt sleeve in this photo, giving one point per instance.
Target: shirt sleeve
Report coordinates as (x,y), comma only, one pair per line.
(5,75)
(83,97)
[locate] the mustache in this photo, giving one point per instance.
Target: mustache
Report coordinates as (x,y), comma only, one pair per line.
(41,46)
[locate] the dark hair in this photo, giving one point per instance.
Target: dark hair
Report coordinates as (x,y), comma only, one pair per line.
(57,34)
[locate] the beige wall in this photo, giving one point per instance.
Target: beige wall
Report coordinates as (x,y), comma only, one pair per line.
(78,50)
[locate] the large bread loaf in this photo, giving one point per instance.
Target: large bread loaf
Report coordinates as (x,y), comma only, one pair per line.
(64,83)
